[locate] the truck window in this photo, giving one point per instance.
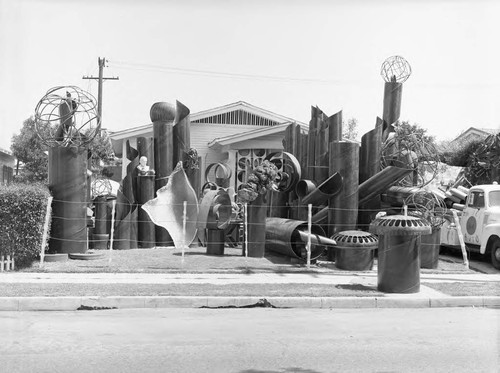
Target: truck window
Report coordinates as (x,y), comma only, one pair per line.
(476,199)
(494,199)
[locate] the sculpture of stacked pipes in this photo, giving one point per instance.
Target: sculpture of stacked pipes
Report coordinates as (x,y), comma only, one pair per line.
(73,123)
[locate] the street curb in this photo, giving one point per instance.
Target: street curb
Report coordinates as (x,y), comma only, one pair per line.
(72,303)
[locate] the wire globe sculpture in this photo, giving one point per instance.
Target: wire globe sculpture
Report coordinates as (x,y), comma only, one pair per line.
(100,187)
(395,69)
(67,116)
(427,205)
(412,152)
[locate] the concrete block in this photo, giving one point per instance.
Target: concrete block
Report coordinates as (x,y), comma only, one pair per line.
(295,302)
(48,303)
(348,302)
(175,302)
(114,302)
(9,304)
(491,301)
(402,302)
(457,302)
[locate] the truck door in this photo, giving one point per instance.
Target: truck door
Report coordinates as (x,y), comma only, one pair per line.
(473,216)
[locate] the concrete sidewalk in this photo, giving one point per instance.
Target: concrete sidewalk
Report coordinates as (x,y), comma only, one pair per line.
(367,297)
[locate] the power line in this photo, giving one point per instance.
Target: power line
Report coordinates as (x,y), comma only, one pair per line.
(213,73)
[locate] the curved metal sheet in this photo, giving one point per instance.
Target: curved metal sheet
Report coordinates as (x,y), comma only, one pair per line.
(167,209)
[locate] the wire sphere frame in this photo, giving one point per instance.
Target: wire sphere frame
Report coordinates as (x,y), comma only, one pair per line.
(81,123)
(100,187)
(395,69)
(410,152)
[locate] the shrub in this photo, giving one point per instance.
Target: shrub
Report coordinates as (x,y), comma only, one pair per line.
(22,217)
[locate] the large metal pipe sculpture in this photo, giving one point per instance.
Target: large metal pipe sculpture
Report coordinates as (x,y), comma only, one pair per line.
(73,123)
(145,192)
(380,182)
(319,195)
(369,165)
(68,185)
(163,115)
(395,71)
(125,232)
(343,213)
(289,237)
(182,145)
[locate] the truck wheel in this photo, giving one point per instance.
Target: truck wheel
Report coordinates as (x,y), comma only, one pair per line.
(495,253)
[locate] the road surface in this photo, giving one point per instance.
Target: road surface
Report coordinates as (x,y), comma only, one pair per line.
(251,340)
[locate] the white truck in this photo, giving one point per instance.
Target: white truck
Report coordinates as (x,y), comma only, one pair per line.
(479,223)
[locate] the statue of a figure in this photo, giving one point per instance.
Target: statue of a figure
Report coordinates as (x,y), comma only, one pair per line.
(143,167)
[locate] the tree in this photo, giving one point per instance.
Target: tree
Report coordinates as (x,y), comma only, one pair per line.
(29,149)
(350,129)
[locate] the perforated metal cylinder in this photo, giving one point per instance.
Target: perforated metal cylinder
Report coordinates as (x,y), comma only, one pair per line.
(355,250)
(399,252)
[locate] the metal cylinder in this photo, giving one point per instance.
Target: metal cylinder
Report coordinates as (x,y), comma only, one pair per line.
(162,115)
(304,187)
(343,212)
(399,252)
(145,227)
(68,185)
(323,192)
(393,92)
(429,249)
(215,241)
(381,182)
(256,220)
(355,250)
(282,236)
(99,238)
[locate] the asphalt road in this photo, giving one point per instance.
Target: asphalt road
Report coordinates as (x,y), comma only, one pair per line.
(251,340)
(477,262)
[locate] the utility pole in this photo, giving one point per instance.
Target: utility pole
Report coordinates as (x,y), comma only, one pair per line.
(100,79)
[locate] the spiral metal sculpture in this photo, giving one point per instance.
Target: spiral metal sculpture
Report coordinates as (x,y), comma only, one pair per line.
(72,117)
(395,69)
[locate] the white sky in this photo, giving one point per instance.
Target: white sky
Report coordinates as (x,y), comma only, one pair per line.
(452,46)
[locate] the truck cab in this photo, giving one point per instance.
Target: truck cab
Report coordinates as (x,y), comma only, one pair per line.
(479,223)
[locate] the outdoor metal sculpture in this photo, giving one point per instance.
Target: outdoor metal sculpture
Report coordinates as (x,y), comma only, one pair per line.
(73,123)
(125,231)
(395,71)
(253,192)
(175,208)
(100,191)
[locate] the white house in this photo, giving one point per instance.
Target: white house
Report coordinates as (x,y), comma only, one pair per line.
(236,135)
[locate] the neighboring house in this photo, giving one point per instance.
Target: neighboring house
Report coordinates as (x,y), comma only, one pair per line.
(473,134)
(7,162)
(236,134)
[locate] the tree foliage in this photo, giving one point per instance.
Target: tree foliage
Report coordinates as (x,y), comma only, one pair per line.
(350,129)
(29,149)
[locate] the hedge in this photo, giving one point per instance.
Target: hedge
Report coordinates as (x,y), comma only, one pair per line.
(22,216)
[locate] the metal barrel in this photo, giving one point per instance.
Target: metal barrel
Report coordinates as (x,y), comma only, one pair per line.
(282,236)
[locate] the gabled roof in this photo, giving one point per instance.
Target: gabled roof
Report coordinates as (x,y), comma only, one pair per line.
(478,132)
(245,107)
(147,129)
(248,135)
